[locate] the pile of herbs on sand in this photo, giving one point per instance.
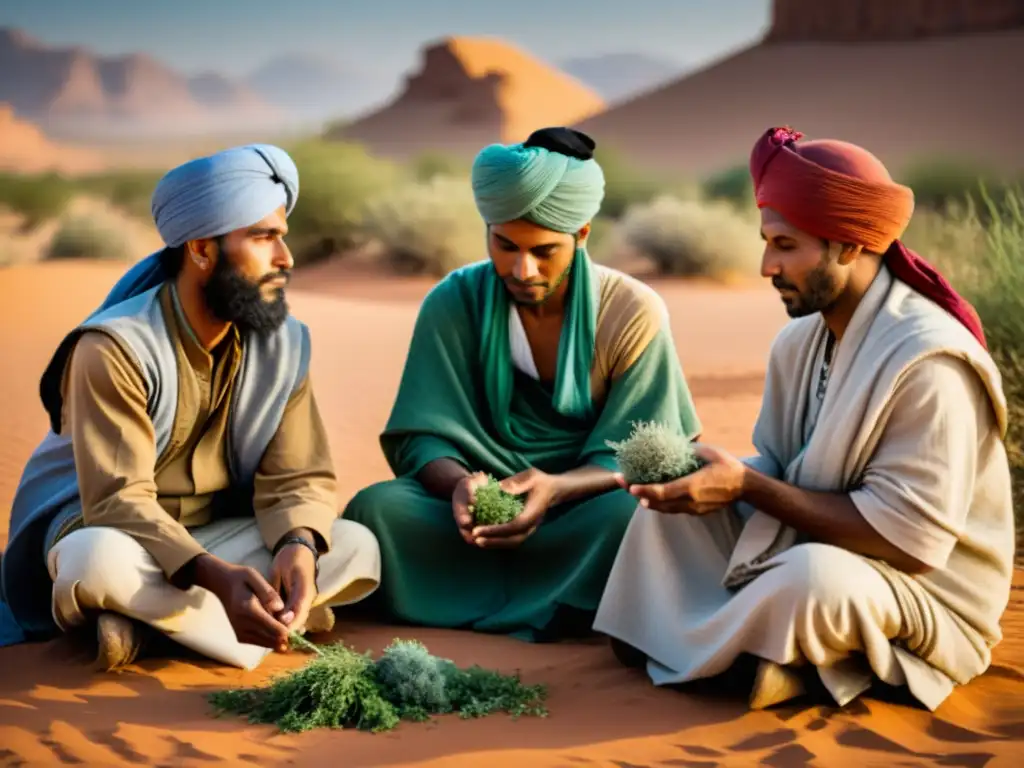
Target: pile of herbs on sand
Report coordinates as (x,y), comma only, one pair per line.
(340,688)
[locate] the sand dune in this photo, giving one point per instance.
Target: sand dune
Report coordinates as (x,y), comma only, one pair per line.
(54,710)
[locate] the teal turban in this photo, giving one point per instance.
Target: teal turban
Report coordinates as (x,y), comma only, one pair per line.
(211,196)
(553,181)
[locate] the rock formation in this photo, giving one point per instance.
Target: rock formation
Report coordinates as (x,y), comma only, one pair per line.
(74,92)
(24,149)
(876,20)
(919,98)
(468,93)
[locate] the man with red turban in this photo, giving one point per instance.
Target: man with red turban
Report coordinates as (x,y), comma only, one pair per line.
(871,537)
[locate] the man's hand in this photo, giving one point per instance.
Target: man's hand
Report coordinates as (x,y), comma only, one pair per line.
(542,490)
(717,484)
(249,601)
(462,503)
(293,577)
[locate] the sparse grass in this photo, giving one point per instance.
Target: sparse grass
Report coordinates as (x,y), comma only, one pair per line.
(980,249)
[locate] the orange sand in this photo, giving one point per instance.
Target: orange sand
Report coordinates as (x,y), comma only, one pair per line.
(54,710)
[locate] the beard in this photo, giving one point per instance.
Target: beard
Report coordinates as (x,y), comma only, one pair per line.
(819,295)
(234,298)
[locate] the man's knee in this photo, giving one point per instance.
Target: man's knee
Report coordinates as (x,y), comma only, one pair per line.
(351,537)
(384,502)
(815,577)
(91,567)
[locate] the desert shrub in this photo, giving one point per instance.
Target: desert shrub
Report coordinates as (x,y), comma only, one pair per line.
(427,227)
(93,235)
(693,238)
(427,165)
(131,191)
(36,197)
(733,185)
(336,180)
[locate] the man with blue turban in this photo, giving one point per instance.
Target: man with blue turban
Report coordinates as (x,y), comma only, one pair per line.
(186,486)
(521,367)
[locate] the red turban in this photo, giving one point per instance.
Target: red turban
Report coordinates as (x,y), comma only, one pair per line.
(841,192)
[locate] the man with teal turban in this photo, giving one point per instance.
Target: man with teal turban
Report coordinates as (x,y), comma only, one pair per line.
(521,367)
(186,486)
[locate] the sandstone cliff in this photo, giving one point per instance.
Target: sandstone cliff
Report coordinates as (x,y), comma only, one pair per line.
(470,92)
(875,20)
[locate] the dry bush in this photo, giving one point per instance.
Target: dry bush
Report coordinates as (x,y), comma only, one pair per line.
(692,238)
(427,227)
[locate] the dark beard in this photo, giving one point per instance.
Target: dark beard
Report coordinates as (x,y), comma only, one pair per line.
(819,295)
(234,298)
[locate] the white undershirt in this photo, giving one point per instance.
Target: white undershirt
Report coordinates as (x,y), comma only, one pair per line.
(522,355)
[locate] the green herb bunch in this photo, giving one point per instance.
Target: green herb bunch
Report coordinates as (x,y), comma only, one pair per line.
(654,453)
(493,505)
(340,688)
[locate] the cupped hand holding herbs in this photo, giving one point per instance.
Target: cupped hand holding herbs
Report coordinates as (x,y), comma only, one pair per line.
(463,500)
(507,521)
(670,474)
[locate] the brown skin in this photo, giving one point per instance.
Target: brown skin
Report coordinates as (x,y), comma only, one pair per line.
(261,612)
(812,276)
(530,260)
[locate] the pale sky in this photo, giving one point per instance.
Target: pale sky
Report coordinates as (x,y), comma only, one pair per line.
(233,37)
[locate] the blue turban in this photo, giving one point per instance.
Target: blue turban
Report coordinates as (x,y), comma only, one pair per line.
(553,181)
(211,196)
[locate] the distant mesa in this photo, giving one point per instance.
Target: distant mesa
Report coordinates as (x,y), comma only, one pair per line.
(75,92)
(913,80)
(468,93)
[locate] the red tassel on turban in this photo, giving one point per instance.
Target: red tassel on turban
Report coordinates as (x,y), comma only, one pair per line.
(843,193)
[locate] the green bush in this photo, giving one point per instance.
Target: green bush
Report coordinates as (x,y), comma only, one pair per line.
(429,227)
(691,238)
(336,180)
(937,184)
(733,185)
(626,185)
(36,197)
(131,191)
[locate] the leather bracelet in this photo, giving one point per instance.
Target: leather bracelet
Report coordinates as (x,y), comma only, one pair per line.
(284,542)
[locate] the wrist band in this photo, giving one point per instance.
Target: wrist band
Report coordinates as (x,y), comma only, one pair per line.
(284,542)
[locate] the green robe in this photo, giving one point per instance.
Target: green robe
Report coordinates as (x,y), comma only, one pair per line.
(431,576)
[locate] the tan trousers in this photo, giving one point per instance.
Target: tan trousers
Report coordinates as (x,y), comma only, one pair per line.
(106,569)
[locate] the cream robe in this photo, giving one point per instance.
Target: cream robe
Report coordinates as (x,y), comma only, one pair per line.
(911,426)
